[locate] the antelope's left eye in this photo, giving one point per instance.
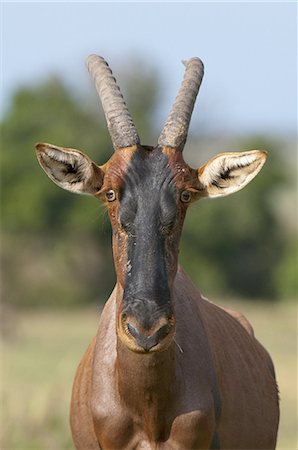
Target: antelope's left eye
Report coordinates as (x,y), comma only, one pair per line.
(185,196)
(110,195)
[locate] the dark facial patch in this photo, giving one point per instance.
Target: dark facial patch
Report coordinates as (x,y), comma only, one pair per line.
(148,214)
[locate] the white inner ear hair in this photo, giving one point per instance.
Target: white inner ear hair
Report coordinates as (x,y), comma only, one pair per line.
(231,171)
(67,169)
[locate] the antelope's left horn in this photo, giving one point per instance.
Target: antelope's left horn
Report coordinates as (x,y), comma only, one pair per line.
(121,127)
(175,130)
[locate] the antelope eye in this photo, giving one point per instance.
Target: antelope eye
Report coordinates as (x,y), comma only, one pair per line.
(185,196)
(110,195)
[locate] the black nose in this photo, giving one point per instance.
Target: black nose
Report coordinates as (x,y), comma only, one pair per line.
(148,341)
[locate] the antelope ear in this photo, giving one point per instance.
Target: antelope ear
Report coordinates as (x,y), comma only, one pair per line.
(229,172)
(70,168)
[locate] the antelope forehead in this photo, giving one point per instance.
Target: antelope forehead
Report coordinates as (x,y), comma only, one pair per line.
(148,169)
(148,184)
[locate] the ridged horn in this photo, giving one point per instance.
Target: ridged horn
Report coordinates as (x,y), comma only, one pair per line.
(174,132)
(121,127)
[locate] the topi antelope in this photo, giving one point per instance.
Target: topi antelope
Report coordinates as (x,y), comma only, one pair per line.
(167,369)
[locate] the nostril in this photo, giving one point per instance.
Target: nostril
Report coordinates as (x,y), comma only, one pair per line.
(132,330)
(162,332)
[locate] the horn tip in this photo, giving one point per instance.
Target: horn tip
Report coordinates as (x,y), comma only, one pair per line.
(195,60)
(94,58)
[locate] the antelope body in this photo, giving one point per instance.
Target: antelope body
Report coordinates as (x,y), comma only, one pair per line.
(167,369)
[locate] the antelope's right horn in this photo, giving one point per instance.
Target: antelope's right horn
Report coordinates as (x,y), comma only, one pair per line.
(121,127)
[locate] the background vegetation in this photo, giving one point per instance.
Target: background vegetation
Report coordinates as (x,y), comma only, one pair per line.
(57,262)
(56,245)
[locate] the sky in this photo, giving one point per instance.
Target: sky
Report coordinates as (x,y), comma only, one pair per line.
(249,51)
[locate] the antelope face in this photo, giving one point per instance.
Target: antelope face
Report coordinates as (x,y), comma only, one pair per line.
(147,191)
(147,195)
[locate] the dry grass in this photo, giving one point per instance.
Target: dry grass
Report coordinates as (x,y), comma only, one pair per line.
(41,355)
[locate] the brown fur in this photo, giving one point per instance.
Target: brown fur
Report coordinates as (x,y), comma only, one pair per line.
(114,171)
(168,400)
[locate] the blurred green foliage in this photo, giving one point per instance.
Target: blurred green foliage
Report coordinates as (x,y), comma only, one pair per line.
(56,246)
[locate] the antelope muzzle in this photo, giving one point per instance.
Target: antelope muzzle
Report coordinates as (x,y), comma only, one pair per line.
(144,326)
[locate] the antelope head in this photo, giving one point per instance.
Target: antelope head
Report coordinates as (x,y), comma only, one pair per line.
(147,191)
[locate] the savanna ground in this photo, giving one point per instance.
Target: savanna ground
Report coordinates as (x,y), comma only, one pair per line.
(41,350)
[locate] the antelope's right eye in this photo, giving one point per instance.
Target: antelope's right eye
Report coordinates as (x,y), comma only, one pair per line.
(185,196)
(110,195)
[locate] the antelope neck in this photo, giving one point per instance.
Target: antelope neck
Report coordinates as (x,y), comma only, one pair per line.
(147,382)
